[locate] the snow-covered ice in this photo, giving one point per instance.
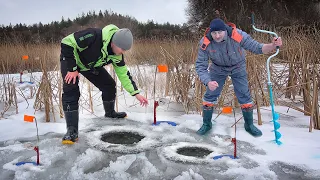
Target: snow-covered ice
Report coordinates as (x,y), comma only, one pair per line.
(155,156)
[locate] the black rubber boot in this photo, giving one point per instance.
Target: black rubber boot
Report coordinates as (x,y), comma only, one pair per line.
(110,112)
(72,119)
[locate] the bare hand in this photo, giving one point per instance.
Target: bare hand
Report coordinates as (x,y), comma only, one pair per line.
(143,101)
(212,85)
(72,76)
(277,42)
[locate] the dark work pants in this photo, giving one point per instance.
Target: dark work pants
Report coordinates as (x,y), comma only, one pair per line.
(101,79)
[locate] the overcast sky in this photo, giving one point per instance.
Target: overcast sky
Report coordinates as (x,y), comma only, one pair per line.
(34,11)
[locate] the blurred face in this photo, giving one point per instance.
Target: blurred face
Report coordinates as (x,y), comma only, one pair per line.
(116,49)
(218,35)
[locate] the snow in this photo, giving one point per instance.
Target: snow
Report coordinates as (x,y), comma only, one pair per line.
(155,156)
(189,175)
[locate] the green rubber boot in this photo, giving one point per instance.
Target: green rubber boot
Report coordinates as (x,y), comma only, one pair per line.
(248,122)
(207,124)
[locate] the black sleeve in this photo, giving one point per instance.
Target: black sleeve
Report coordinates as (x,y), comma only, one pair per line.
(68,55)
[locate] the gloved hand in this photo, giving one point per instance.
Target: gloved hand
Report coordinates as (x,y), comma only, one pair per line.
(212,85)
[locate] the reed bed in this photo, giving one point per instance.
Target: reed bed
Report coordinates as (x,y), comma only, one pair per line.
(294,72)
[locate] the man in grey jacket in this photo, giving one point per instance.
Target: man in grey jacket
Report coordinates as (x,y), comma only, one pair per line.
(225,45)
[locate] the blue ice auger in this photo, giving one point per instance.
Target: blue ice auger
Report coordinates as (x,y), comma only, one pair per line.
(275,116)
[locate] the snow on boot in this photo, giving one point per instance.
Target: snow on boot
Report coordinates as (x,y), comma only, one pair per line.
(110,112)
(207,124)
(72,120)
(248,122)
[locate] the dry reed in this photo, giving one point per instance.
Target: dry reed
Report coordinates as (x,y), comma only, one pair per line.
(295,71)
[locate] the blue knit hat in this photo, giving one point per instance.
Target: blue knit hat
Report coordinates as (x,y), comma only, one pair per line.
(217,25)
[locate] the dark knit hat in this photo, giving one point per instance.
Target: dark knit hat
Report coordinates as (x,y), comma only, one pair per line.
(217,25)
(123,39)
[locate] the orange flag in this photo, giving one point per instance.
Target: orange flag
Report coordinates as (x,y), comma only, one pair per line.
(28,118)
(162,68)
(227,110)
(25,57)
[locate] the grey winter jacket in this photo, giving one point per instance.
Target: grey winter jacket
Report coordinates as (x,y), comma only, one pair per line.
(227,56)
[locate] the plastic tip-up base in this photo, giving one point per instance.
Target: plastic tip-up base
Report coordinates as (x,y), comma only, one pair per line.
(23,163)
(221,156)
(168,122)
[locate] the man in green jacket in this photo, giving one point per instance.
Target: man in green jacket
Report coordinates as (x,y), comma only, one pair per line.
(86,52)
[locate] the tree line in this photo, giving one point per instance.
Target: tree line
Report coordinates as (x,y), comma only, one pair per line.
(268,13)
(56,30)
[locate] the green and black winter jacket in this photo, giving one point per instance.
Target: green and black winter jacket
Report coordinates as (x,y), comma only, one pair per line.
(91,48)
